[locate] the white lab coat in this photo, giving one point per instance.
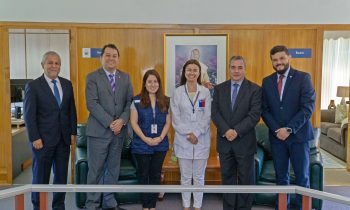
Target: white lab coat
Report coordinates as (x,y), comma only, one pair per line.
(184,123)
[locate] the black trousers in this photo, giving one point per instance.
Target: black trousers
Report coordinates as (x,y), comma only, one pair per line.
(149,168)
(237,170)
(56,157)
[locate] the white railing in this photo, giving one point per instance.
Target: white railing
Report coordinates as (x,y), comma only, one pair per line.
(282,191)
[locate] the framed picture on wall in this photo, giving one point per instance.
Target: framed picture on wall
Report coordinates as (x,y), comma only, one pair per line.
(211,50)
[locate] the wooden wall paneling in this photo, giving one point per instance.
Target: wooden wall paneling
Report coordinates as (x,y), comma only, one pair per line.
(88,38)
(248,45)
(296,38)
(139,49)
(318,76)
(73,66)
(73,57)
(255,46)
(5,116)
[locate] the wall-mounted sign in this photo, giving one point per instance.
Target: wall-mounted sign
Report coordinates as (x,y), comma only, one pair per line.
(91,52)
(300,52)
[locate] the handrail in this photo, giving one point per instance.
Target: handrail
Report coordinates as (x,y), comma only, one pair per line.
(15,191)
(322,195)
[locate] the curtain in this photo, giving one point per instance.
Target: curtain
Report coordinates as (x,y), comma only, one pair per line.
(335,69)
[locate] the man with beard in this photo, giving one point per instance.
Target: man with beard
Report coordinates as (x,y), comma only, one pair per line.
(288,103)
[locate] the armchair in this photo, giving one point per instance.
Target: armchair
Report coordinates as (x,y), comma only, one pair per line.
(265,172)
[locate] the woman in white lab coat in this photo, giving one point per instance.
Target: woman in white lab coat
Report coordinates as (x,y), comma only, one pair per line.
(190,106)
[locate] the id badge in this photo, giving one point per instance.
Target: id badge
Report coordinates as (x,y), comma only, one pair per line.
(154,128)
(193,117)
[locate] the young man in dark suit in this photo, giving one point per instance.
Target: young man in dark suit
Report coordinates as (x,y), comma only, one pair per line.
(51,122)
(288,103)
(235,112)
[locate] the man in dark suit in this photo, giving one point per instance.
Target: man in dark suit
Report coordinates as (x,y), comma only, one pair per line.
(235,112)
(108,98)
(288,103)
(51,122)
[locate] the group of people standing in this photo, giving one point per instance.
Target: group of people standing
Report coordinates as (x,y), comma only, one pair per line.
(285,101)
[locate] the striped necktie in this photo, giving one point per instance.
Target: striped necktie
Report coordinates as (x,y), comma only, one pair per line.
(112,81)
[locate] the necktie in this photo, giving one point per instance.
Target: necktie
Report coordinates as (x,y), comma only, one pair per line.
(112,81)
(234,94)
(56,92)
(279,84)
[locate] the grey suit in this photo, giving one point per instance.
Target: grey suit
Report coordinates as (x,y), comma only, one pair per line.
(237,157)
(104,148)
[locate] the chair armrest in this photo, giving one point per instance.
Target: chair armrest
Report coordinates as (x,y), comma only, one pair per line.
(316,170)
(344,134)
(259,162)
(81,166)
(344,127)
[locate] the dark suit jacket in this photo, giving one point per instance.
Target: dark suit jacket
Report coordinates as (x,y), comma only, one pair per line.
(43,117)
(294,110)
(243,118)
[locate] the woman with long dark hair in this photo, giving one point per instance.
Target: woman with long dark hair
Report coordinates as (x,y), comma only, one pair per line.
(191,109)
(150,120)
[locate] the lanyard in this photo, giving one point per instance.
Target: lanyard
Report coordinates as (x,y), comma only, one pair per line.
(195,100)
(154,112)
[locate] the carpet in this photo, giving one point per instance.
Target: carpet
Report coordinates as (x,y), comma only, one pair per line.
(336,177)
(330,161)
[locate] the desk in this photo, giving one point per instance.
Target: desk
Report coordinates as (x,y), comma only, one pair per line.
(21,151)
(171,171)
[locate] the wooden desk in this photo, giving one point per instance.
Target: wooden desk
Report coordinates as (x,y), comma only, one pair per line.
(171,172)
(21,150)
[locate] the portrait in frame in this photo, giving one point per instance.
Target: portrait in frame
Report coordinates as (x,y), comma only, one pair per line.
(210,50)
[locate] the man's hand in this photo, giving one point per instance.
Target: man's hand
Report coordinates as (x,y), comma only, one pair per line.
(231,134)
(73,139)
(38,144)
(116,126)
(282,134)
(192,138)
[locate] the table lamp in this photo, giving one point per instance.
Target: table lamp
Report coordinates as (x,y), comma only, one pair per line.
(343,91)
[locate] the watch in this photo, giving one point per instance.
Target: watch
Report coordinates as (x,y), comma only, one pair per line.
(289,130)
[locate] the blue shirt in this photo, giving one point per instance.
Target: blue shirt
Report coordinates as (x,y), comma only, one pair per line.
(239,85)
